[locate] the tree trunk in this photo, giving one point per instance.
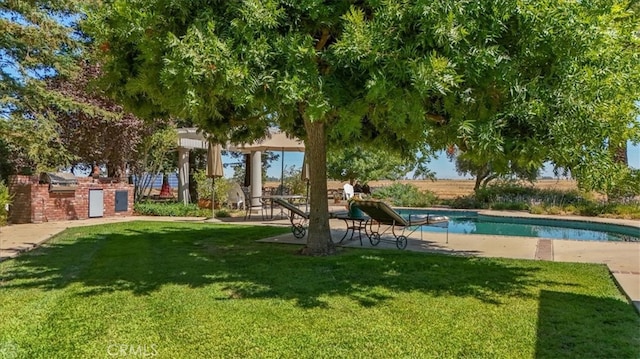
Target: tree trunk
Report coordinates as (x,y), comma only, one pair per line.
(620,154)
(620,157)
(319,234)
(481,174)
(115,171)
(476,186)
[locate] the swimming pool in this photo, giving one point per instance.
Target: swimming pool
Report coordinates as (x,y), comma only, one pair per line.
(474,223)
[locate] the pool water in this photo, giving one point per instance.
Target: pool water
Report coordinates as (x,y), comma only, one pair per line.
(471,223)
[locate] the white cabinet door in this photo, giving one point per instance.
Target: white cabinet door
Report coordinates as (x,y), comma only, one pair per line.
(96,203)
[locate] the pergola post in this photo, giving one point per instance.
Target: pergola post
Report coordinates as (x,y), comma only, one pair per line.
(183,175)
(256,178)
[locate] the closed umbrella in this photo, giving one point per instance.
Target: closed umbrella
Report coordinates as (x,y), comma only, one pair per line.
(305,177)
(214,169)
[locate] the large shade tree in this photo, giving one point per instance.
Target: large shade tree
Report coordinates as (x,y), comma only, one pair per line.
(502,75)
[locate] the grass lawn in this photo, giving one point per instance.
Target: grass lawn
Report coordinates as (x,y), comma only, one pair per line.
(180,290)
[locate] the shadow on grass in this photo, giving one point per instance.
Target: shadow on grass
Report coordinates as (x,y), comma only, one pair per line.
(576,326)
(141,258)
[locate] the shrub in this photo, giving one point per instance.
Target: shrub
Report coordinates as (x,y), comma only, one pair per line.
(510,206)
(176,210)
(204,184)
(536,209)
(619,210)
(508,196)
(630,210)
(554,210)
(591,209)
(221,213)
(570,209)
(294,182)
(504,192)
(5,201)
(170,209)
(405,195)
(467,202)
(626,187)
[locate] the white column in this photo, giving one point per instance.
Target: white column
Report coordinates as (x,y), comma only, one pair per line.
(183,175)
(256,178)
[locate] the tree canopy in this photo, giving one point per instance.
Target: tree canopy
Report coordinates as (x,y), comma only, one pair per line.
(35,44)
(356,162)
(545,80)
(99,131)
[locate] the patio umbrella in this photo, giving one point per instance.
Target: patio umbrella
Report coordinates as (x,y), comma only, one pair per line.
(276,140)
(214,169)
(305,177)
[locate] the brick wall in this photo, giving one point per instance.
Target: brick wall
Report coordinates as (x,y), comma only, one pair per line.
(20,210)
(33,203)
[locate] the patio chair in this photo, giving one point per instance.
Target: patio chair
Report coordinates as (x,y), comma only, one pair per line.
(235,197)
(248,203)
(381,214)
(348,191)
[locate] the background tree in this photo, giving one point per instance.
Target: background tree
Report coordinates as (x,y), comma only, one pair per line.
(355,163)
(484,172)
(157,157)
(564,96)
(35,44)
(240,165)
(50,115)
(98,130)
(498,76)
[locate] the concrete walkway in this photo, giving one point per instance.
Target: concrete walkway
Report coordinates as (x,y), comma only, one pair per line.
(622,258)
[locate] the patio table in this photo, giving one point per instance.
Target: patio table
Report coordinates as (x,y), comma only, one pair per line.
(353,224)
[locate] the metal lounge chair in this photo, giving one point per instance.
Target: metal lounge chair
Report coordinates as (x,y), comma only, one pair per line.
(298,217)
(381,214)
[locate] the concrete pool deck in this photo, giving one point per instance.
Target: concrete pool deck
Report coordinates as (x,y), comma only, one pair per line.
(622,258)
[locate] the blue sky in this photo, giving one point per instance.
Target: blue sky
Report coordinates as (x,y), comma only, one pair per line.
(443,168)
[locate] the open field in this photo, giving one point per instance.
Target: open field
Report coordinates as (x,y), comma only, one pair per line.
(444,189)
(448,189)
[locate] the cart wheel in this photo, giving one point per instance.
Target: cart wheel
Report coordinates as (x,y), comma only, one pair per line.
(298,231)
(401,242)
(374,238)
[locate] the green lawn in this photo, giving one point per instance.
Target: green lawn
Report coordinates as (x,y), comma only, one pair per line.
(179,290)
